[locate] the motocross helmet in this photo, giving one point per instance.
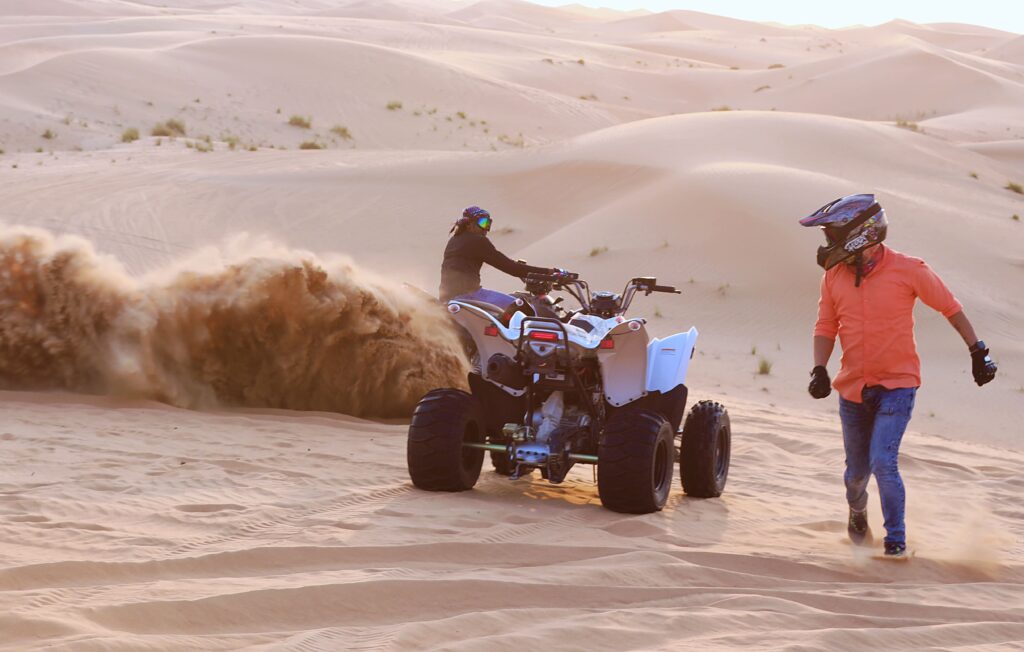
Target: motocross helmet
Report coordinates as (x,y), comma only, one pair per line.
(478,216)
(851,224)
(472,215)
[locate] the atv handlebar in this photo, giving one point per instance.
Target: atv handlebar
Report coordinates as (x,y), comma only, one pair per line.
(570,282)
(552,277)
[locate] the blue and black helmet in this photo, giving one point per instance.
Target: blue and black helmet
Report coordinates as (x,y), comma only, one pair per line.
(851,224)
(474,215)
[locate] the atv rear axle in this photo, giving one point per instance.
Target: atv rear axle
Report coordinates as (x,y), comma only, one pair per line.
(501,448)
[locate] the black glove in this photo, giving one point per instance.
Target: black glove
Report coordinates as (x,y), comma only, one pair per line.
(821,385)
(982,367)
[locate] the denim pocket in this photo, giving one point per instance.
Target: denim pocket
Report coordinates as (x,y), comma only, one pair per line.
(897,401)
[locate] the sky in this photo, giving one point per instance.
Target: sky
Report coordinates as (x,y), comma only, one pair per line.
(1006,15)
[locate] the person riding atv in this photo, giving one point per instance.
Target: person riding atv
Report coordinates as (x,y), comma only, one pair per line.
(467,250)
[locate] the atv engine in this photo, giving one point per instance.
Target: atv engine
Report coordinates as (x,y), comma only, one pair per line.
(546,442)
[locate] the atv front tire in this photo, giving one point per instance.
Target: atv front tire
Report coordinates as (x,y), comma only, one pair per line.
(705,450)
(443,420)
(635,461)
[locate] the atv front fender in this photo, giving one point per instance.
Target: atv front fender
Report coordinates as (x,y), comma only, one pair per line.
(668,361)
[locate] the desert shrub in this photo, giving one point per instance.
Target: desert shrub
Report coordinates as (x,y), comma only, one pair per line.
(49,135)
(907,124)
(169,128)
(301,121)
(509,140)
(1015,218)
(1015,187)
(762,88)
(129,135)
(341,132)
(776,66)
(721,108)
(310,144)
(394,105)
(764,366)
(973,175)
(597,251)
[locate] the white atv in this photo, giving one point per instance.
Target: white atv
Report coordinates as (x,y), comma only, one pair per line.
(555,388)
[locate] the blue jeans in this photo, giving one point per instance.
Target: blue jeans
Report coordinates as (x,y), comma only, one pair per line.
(872,432)
(492,297)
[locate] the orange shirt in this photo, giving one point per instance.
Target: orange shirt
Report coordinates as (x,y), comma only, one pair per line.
(875,322)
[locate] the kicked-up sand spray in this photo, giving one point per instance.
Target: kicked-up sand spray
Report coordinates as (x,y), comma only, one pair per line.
(254,325)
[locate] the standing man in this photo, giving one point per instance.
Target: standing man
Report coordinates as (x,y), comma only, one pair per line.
(867,298)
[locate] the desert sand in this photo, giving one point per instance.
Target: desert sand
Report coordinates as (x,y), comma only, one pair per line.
(208,350)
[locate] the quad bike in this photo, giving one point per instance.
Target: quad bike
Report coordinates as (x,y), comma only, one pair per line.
(556,388)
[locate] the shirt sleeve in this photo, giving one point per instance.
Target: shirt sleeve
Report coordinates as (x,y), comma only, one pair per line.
(934,293)
(828,318)
(498,260)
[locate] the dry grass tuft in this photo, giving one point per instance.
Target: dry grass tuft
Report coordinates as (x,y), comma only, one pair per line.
(1014,187)
(301,121)
(597,251)
(310,144)
(394,105)
(170,128)
(764,366)
(129,135)
(341,132)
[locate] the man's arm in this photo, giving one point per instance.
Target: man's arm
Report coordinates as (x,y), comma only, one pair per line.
(935,294)
(825,331)
(962,324)
(495,258)
(823,347)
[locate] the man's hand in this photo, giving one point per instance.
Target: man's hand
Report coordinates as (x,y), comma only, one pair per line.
(982,367)
(821,385)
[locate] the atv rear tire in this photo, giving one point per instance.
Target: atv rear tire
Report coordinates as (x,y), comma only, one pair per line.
(705,450)
(635,461)
(442,421)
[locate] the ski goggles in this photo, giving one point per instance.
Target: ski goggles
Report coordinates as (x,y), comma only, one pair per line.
(484,222)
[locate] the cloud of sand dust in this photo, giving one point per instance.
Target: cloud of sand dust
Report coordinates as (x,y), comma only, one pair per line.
(250,324)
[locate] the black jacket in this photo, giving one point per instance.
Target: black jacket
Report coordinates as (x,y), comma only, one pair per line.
(465,255)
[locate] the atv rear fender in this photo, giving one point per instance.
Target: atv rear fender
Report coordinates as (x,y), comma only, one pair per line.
(475,320)
(623,367)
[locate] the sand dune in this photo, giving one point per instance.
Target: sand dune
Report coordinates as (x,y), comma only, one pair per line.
(215,267)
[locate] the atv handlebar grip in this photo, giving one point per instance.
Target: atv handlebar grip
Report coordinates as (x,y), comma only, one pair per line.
(666,288)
